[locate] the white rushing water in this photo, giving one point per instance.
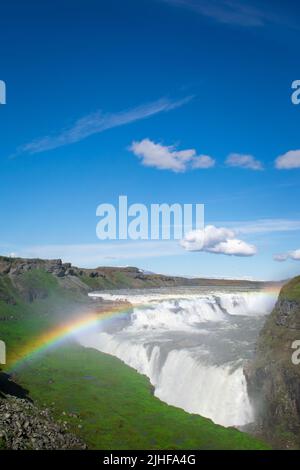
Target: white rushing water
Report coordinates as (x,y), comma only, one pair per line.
(192,343)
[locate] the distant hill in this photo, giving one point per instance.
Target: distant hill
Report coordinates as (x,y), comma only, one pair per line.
(18,273)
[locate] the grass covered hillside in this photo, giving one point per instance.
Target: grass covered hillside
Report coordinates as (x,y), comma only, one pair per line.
(291,291)
(105,403)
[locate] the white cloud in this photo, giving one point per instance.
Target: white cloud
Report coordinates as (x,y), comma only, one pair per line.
(98,122)
(243,161)
(218,240)
(203,161)
(280,258)
(288,161)
(168,158)
(294,255)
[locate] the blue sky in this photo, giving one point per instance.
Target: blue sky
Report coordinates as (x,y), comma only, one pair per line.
(87,79)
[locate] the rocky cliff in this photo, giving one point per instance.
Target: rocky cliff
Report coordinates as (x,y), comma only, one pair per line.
(273,378)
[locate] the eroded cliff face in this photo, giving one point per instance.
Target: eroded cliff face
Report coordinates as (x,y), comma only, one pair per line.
(273,378)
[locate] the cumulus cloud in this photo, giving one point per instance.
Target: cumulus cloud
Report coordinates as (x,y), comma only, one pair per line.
(294,255)
(243,161)
(203,161)
(288,161)
(219,240)
(168,157)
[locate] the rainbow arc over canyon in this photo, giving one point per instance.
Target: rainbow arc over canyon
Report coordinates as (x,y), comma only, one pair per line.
(59,334)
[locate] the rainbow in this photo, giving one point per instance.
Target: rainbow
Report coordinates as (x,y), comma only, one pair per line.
(59,334)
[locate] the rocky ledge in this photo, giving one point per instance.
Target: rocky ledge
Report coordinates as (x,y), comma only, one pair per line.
(24,426)
(18,266)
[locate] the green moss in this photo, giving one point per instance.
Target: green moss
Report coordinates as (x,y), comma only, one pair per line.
(8,293)
(116,407)
(291,291)
(97,282)
(39,279)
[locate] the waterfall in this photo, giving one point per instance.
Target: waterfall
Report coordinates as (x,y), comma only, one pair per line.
(192,347)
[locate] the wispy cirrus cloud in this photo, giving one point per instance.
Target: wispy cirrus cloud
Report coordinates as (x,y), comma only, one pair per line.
(233,12)
(91,255)
(264,226)
(98,122)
